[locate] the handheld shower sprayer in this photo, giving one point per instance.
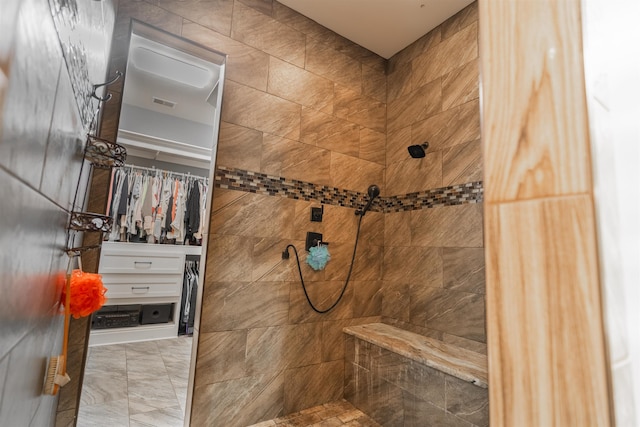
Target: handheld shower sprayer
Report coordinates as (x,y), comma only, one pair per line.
(373,191)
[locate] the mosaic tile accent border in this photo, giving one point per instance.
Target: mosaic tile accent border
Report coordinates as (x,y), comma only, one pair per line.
(260,183)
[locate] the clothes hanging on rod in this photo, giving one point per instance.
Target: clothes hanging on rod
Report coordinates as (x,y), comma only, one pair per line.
(189,293)
(155,206)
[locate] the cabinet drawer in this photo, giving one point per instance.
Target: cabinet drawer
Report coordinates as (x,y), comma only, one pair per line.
(142,264)
(152,287)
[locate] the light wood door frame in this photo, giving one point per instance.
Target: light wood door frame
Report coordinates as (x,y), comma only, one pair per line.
(546,345)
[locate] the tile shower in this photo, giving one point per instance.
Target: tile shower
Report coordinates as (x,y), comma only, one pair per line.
(302,103)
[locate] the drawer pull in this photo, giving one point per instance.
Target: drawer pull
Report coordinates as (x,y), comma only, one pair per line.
(142,264)
(140,289)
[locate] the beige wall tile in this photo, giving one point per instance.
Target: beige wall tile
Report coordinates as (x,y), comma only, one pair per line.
(372,145)
(239,147)
(228,258)
(397,229)
(454,126)
(368,263)
(243,305)
(267,261)
(460,85)
(245,64)
(221,356)
(374,83)
(450,226)
(460,20)
(295,160)
(333,339)
(241,402)
(396,301)
(464,269)
(321,59)
(312,385)
(467,401)
(462,163)
(415,106)
(332,133)
(340,224)
(254,216)
(360,109)
(423,44)
(413,175)
(262,6)
(303,24)
(264,33)
(367,298)
(399,82)
(214,14)
(372,229)
(352,173)
(397,143)
(148,13)
(289,346)
(300,86)
(268,113)
(323,295)
(223,198)
(453,312)
(439,60)
(418,267)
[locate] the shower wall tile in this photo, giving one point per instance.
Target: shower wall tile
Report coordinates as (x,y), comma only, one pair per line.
(401,176)
(355,174)
(464,269)
(281,347)
(454,126)
(460,20)
(322,294)
(372,145)
(374,83)
(456,313)
(462,163)
(397,143)
(268,265)
(398,83)
(467,401)
(221,356)
(264,33)
(245,64)
(440,60)
(31,93)
(360,109)
(340,225)
(59,182)
(240,401)
(161,17)
(300,86)
(239,147)
(368,264)
(418,266)
(213,14)
(312,385)
(268,113)
(476,346)
(262,6)
(243,305)
(424,44)
(396,300)
(223,198)
(322,60)
(415,106)
(460,85)
(256,215)
(367,298)
(397,229)
(295,160)
(329,132)
(229,258)
(453,226)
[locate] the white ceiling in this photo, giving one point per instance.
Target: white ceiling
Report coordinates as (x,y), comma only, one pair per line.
(382,26)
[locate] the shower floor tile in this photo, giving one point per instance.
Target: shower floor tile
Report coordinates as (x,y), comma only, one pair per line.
(333,414)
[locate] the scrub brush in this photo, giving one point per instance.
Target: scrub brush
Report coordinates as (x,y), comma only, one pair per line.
(57,371)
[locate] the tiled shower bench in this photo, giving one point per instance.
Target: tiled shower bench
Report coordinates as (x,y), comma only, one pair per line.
(400,378)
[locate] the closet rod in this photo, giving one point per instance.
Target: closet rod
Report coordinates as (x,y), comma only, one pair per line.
(154,169)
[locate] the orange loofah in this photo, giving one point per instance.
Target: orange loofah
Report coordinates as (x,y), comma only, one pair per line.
(86,293)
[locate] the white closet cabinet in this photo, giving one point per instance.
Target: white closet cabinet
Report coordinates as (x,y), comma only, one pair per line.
(138,273)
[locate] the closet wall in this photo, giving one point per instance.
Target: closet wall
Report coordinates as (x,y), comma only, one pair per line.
(44,117)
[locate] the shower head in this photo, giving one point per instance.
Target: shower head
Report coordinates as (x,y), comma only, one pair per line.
(418,151)
(373,191)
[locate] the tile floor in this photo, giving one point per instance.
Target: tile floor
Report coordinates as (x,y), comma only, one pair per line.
(145,384)
(333,414)
(136,384)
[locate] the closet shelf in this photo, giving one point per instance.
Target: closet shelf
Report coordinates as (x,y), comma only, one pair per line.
(104,154)
(85,221)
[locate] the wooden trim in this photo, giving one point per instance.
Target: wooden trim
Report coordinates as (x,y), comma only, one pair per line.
(546,346)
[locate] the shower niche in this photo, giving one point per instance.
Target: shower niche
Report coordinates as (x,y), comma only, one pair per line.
(160,200)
